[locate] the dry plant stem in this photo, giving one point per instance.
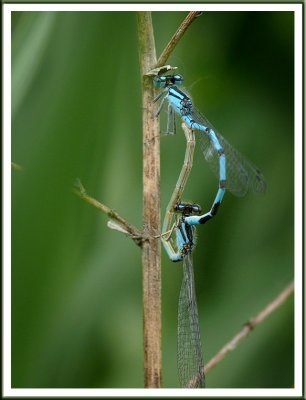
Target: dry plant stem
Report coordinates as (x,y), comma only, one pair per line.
(151,209)
(130,230)
(249,326)
(176,37)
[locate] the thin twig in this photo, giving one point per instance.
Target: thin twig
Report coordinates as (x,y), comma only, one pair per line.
(160,70)
(16,167)
(122,225)
(249,326)
(176,37)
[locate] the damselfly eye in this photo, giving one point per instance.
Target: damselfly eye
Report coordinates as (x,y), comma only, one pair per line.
(178,79)
(159,81)
(196,208)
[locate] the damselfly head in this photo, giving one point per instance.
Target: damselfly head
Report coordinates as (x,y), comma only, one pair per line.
(188,209)
(168,80)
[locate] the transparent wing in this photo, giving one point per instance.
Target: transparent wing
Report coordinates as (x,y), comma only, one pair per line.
(189,352)
(241,175)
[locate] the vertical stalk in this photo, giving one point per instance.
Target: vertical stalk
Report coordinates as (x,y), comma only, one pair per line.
(151,209)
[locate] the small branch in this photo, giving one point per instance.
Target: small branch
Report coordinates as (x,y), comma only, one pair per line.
(176,37)
(249,326)
(16,167)
(160,70)
(120,223)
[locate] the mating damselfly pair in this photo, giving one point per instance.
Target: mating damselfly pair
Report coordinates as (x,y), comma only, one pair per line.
(235,173)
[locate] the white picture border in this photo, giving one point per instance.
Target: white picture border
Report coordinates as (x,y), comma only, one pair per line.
(7,391)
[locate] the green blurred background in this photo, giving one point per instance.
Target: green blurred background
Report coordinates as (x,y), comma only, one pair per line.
(76,112)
